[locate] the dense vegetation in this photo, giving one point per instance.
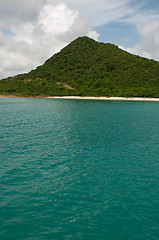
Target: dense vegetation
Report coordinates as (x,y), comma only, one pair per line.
(88,68)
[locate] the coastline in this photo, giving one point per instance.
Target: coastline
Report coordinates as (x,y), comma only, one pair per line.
(109,98)
(89,98)
(14,96)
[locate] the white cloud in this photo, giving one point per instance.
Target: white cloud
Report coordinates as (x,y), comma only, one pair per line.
(29,44)
(100,12)
(33,30)
(150,38)
(149,43)
(16,11)
(97,12)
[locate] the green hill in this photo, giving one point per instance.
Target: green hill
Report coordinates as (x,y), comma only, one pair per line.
(88,68)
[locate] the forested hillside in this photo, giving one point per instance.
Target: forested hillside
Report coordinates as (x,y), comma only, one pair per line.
(88,68)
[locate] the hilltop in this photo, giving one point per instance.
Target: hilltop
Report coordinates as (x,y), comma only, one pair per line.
(88,68)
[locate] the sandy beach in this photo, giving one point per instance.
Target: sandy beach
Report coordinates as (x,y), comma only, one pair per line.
(108,98)
(89,98)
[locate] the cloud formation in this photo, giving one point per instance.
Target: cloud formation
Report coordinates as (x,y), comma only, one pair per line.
(27,44)
(100,12)
(16,11)
(149,41)
(33,30)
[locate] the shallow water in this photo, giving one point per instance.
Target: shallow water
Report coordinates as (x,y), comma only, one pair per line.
(76,169)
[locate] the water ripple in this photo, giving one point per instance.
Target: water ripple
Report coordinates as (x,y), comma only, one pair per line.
(79,170)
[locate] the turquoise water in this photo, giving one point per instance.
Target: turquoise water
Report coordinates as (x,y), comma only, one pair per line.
(76,169)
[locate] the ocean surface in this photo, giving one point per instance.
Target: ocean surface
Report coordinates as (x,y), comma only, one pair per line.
(79,170)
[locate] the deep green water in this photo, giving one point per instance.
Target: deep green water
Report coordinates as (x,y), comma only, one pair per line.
(76,169)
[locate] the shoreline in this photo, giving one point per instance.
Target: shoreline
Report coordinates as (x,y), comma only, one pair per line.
(108,98)
(88,98)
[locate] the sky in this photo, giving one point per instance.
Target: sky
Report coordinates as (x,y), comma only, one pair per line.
(32,31)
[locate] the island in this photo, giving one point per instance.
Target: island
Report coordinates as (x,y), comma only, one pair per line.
(87,68)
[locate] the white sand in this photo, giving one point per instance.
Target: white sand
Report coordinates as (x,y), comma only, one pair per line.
(110,98)
(93,98)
